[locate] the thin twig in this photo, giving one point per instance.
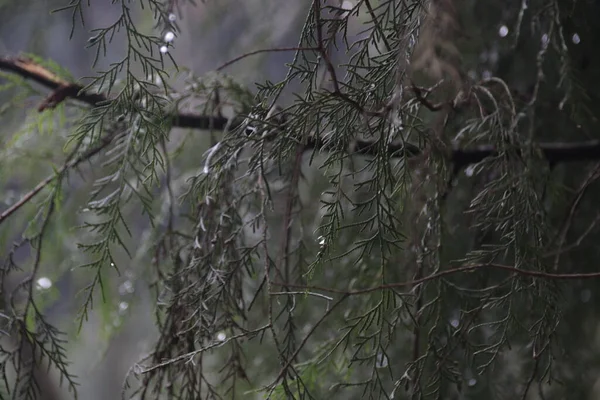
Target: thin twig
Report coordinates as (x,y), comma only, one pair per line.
(466,268)
(323,49)
(40,186)
(593,175)
(303,293)
(272,50)
(283,370)
(191,354)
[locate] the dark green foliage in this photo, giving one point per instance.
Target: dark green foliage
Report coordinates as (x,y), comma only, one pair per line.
(332,240)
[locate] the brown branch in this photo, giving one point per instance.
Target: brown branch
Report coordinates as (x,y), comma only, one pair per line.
(553,152)
(423,100)
(466,268)
(63,90)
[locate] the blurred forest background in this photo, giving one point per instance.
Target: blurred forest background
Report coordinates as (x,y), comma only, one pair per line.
(420,221)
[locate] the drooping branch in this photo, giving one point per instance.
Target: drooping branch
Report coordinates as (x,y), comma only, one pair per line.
(460,157)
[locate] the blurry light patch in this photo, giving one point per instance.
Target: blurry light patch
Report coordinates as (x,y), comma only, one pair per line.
(221,336)
(172,17)
(472,382)
(126,288)
(169,36)
(322,242)
(575,38)
(545,39)
(347,5)
(123,306)
(503,31)
(164,49)
(470,170)
(454,319)
(44,283)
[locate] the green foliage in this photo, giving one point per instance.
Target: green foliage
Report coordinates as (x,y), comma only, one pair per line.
(328,242)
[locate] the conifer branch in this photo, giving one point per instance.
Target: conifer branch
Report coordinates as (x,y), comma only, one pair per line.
(554,152)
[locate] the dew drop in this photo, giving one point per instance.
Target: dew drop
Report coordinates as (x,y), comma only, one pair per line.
(126,288)
(321,240)
(545,39)
(503,31)
(169,36)
(44,283)
(470,171)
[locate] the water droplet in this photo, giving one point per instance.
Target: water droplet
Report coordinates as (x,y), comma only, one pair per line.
(469,171)
(164,49)
(503,31)
(575,38)
(321,240)
(172,17)
(221,336)
(545,39)
(44,283)
(169,36)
